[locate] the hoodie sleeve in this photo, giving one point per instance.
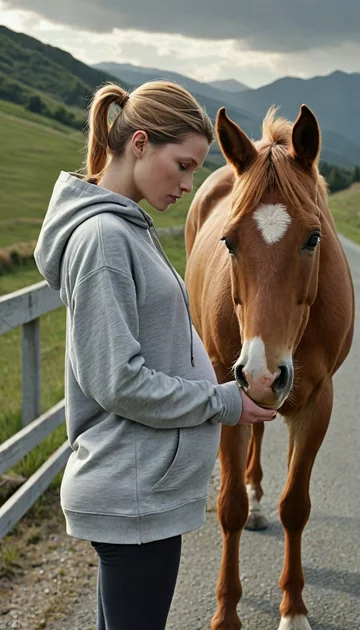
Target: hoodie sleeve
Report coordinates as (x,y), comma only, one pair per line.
(109,367)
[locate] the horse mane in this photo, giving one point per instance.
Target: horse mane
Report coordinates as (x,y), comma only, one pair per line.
(275,170)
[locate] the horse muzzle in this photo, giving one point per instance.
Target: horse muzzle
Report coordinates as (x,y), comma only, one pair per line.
(264,388)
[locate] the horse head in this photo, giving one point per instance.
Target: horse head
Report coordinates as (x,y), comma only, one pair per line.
(272,234)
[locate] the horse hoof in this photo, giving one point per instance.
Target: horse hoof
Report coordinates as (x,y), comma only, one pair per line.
(297,622)
(256,521)
(229,622)
(232,626)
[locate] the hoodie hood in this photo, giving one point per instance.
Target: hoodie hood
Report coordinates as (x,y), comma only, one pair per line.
(73,201)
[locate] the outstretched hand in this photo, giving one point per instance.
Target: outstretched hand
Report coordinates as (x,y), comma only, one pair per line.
(252,413)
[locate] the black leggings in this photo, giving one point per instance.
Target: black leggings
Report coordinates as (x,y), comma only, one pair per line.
(136,584)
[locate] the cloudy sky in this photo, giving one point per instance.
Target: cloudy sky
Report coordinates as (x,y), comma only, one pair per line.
(254,41)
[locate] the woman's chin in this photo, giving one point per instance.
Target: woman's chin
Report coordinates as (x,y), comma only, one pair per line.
(162,207)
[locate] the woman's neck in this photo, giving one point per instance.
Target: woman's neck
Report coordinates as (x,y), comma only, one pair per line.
(118,178)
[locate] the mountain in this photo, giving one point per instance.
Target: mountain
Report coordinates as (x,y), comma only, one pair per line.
(137,74)
(335,99)
(229,85)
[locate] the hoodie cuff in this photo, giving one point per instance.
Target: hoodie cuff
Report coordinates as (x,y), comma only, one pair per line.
(231,395)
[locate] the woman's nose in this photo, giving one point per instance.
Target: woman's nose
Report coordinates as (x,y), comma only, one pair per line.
(187,185)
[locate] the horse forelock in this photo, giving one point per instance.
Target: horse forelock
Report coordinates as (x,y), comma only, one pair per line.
(274,171)
(276,130)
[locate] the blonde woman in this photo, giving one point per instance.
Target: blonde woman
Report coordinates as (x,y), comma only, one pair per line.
(143,406)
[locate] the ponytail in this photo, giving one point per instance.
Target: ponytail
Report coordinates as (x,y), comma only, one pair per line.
(99,127)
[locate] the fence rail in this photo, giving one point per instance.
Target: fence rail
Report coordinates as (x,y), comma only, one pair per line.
(24,308)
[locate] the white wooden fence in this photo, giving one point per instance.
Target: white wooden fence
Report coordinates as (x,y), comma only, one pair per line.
(24,308)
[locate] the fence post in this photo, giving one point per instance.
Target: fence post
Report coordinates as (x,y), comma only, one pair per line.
(30,371)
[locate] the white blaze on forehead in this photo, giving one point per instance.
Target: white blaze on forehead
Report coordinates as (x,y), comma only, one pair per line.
(272,221)
(253,356)
(297,622)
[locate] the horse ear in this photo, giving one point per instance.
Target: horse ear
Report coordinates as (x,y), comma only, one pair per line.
(234,143)
(306,138)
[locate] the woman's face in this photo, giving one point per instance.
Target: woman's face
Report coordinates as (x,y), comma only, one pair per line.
(165,173)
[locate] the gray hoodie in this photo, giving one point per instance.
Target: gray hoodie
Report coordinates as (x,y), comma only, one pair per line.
(143,406)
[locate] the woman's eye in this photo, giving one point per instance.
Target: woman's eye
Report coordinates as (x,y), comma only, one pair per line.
(182,167)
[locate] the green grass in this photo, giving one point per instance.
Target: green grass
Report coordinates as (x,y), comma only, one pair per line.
(35,155)
(345,208)
(20,111)
(18,230)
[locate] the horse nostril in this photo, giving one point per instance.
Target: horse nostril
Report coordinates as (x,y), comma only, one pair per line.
(282,380)
(240,376)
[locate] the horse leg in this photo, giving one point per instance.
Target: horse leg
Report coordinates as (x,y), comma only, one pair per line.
(306,433)
(232,513)
(253,476)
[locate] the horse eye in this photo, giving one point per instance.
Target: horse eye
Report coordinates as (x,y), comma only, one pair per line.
(228,245)
(312,241)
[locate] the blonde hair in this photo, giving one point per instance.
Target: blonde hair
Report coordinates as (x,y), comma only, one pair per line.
(164,109)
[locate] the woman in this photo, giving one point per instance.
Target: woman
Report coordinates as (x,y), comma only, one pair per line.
(143,407)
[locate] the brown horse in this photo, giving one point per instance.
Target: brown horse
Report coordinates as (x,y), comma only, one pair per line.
(275,310)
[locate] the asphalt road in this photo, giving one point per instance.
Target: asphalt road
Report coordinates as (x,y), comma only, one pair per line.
(331,541)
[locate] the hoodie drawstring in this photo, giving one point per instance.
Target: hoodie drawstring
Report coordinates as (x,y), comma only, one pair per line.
(156,241)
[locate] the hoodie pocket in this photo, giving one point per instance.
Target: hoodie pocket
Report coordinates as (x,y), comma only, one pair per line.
(193,461)
(172,474)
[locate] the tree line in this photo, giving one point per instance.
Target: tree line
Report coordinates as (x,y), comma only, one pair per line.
(15,92)
(338,178)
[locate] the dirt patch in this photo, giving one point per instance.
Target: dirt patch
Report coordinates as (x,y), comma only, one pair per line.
(43,572)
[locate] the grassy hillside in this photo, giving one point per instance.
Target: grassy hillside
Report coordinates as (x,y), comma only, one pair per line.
(45,79)
(35,155)
(49,69)
(345,208)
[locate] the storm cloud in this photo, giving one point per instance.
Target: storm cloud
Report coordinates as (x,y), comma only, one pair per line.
(263,25)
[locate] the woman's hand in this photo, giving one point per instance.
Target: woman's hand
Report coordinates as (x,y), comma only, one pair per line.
(252,413)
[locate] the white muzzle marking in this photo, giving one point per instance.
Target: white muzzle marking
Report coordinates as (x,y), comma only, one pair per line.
(253,357)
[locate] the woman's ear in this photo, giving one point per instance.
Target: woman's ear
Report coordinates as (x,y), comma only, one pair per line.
(139,141)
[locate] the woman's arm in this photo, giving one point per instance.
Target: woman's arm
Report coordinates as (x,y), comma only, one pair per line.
(109,367)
